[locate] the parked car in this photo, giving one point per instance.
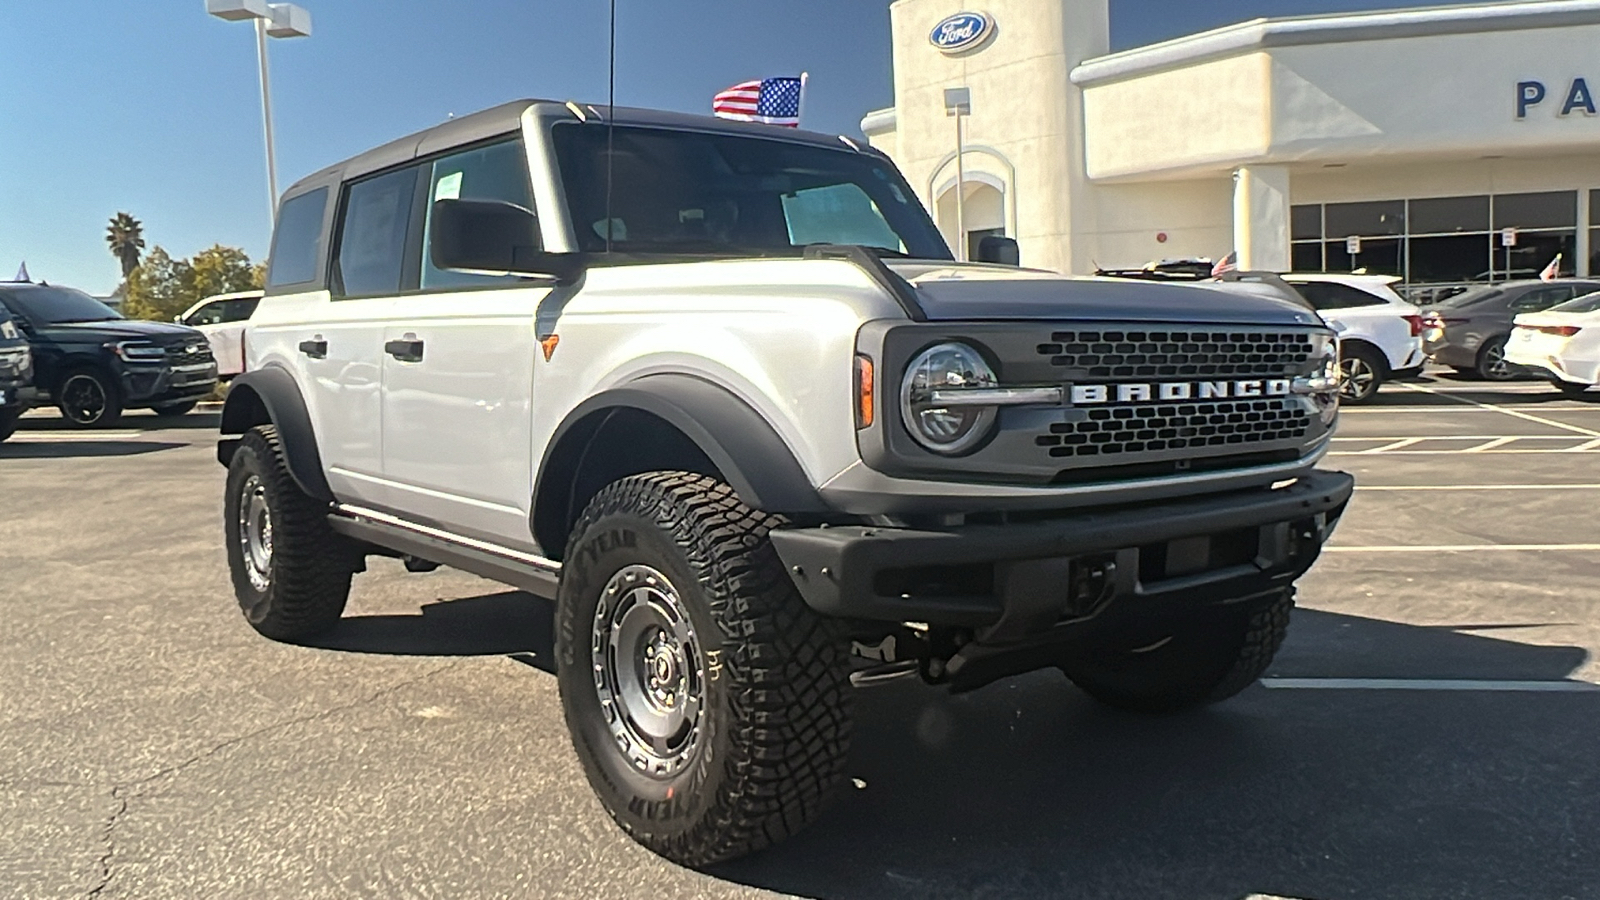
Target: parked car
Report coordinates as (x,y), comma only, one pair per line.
(92,363)
(1468,332)
(1380,334)
(16,373)
(222,319)
(745,414)
(1561,343)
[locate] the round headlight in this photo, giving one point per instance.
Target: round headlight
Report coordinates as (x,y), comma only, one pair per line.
(944,424)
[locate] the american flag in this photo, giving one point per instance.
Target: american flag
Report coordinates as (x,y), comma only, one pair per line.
(1552,271)
(775,101)
(1225,265)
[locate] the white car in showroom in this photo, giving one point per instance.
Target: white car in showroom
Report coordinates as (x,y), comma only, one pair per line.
(221,318)
(1562,343)
(1380,334)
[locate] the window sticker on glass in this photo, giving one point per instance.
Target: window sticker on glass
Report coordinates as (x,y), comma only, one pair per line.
(449,187)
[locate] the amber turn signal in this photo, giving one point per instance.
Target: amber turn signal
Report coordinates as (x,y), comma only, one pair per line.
(866,392)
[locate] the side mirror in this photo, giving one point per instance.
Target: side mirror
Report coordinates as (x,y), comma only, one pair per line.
(177,319)
(1001,250)
(493,237)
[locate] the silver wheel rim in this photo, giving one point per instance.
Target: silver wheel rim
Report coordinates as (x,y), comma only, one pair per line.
(1494,362)
(83,400)
(648,671)
(1358,379)
(255,532)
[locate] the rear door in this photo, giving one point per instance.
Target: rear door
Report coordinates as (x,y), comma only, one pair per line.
(458,382)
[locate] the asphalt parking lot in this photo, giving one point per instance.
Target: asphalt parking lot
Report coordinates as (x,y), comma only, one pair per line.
(1429,730)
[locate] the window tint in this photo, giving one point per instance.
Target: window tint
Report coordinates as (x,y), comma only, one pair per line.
(1305,222)
(1329,295)
(496,172)
(1541,298)
(1551,209)
(295,241)
(1584,303)
(372,235)
(210,314)
(1443,215)
(1378,217)
(240,310)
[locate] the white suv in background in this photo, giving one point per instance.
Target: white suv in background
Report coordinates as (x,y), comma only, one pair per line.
(221,318)
(1380,334)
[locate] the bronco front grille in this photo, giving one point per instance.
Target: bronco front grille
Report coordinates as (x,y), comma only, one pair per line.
(1178,354)
(1178,426)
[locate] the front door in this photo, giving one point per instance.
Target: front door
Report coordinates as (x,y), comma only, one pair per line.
(458,372)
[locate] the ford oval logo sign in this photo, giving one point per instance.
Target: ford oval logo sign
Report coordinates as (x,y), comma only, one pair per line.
(962,31)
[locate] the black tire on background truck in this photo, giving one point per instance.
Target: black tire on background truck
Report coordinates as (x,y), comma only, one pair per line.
(1208,659)
(8,422)
(291,571)
(89,398)
(709,705)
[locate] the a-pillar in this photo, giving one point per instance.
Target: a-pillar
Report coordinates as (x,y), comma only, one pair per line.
(1261,217)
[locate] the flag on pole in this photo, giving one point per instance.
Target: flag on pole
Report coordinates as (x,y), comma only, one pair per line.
(1226,264)
(1551,271)
(22,273)
(775,101)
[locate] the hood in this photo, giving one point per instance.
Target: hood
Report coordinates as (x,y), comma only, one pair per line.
(949,291)
(121,329)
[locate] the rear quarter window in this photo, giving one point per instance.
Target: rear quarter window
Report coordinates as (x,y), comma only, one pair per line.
(297,241)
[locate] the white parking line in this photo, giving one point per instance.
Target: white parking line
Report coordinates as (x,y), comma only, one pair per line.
(1476,487)
(1458,548)
(1395,445)
(1430,684)
(45,437)
(1489,445)
(1500,409)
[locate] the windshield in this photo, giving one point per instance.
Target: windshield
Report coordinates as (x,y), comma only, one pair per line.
(694,193)
(57,306)
(1470,297)
(1586,303)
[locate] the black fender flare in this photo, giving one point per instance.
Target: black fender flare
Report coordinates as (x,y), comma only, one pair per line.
(740,442)
(272,394)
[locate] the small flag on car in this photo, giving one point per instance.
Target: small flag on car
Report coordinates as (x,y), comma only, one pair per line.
(1552,271)
(775,101)
(1225,265)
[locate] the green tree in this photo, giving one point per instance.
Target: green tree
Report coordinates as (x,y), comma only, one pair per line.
(163,287)
(125,235)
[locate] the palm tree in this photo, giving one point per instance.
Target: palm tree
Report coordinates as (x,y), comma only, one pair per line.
(126,237)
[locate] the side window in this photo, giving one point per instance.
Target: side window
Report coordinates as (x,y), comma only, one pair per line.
(372,234)
(241,310)
(1541,298)
(210,314)
(1331,295)
(493,172)
(296,241)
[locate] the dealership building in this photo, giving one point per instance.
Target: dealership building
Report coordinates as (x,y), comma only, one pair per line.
(1441,144)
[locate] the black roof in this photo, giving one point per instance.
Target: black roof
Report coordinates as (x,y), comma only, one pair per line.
(507,117)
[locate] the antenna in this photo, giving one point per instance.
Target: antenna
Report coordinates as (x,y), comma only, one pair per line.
(611,122)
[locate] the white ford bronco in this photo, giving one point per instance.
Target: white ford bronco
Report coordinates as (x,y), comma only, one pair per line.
(720,393)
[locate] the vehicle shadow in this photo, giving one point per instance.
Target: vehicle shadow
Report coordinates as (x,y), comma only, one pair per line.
(1029,789)
(1483,392)
(510,623)
(88,447)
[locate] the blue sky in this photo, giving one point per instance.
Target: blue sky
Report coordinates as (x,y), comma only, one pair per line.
(153,107)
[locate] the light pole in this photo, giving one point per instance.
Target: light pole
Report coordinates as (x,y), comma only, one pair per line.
(279,20)
(958,103)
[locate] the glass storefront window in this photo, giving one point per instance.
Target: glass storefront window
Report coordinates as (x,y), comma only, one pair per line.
(1594,251)
(1376,218)
(1550,209)
(1533,252)
(1305,222)
(1446,215)
(1305,256)
(1454,257)
(1378,256)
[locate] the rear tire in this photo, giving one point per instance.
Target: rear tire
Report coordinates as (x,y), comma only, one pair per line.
(89,398)
(1209,661)
(8,422)
(709,705)
(1492,365)
(176,410)
(291,571)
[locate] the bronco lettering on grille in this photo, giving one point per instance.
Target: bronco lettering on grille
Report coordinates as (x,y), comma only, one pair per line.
(1087,394)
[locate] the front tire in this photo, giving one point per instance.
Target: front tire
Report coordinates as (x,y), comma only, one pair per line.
(709,705)
(1207,660)
(291,571)
(89,399)
(1361,373)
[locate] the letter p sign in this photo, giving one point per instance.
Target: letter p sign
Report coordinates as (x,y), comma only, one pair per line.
(1529,93)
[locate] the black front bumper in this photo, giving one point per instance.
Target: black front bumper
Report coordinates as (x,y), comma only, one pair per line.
(160,385)
(1025,577)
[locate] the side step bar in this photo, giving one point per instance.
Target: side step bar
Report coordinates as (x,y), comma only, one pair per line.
(534,574)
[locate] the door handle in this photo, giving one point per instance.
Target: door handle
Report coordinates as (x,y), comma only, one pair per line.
(405,350)
(317,349)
